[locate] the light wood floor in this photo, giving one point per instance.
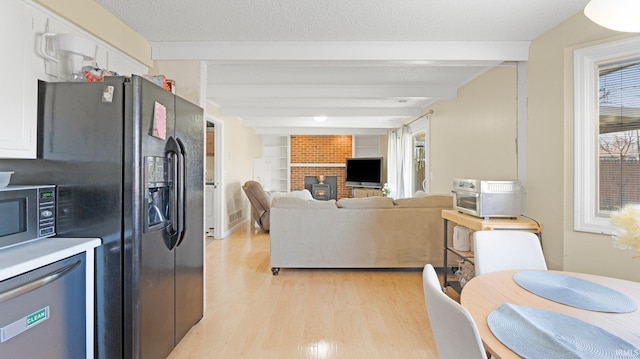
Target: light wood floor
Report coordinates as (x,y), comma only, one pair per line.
(316,313)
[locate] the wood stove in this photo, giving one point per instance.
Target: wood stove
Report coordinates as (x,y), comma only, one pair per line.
(322,191)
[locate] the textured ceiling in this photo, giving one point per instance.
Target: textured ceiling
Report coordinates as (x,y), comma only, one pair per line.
(290,57)
(342,20)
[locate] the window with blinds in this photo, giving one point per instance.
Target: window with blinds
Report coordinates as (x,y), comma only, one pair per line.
(619,134)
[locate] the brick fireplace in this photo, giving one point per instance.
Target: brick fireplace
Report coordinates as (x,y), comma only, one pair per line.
(320,155)
(299,173)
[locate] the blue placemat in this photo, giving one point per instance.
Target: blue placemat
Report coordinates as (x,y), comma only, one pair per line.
(539,333)
(575,292)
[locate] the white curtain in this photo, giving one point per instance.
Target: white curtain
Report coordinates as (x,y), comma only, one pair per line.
(399,163)
(392,162)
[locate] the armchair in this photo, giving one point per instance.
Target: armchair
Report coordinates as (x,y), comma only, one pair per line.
(260,206)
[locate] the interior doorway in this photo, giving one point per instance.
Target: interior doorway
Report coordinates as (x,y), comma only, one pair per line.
(213,178)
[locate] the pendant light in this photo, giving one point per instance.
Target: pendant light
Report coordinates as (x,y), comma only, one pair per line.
(619,15)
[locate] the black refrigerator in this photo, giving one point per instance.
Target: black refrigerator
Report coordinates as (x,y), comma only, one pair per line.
(127,159)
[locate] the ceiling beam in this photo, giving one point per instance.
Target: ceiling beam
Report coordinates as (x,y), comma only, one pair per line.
(358,63)
(386,123)
(323,102)
(257,91)
(344,50)
(292,111)
(318,131)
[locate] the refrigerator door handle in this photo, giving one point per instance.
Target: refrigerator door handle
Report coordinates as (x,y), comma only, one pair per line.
(173,230)
(182,188)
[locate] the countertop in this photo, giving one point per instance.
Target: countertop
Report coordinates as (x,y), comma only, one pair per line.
(28,256)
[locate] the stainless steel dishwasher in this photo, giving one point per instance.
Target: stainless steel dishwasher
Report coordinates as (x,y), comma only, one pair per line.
(42,312)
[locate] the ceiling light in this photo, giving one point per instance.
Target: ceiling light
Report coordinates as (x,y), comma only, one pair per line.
(619,15)
(320,118)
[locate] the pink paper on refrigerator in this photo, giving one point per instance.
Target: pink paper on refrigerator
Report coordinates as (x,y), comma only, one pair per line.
(159,121)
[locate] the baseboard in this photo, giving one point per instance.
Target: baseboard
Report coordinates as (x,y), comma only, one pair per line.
(232,229)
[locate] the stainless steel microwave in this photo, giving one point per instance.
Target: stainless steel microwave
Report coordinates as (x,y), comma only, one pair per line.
(487,198)
(26,213)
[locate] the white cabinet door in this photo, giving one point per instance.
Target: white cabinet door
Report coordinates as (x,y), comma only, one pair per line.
(18,91)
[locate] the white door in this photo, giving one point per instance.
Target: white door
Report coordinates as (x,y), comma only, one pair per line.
(214,178)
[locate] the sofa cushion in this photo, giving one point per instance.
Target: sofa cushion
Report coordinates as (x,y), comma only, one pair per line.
(367,202)
(430,201)
(294,202)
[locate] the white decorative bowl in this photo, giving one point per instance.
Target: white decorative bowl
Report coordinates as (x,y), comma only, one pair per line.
(5,177)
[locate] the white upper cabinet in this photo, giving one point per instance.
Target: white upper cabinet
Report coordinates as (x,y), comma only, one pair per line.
(18,95)
(22,24)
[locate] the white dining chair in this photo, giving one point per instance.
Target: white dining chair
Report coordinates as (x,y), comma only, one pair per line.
(505,249)
(453,328)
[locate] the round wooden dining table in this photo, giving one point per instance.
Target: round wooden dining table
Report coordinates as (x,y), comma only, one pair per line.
(485,293)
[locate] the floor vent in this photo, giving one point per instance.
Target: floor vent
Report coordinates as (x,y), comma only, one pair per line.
(235,216)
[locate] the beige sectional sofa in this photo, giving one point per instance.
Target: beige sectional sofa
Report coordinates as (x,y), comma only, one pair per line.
(372,232)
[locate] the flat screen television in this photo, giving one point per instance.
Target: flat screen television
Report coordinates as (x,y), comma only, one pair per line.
(364,172)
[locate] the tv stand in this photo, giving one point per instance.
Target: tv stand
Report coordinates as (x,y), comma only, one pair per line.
(368,186)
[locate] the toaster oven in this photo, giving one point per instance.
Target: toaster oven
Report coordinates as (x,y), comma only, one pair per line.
(487,198)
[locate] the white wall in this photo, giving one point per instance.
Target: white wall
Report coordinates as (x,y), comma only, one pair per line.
(550,153)
(473,136)
(241,146)
(188,76)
